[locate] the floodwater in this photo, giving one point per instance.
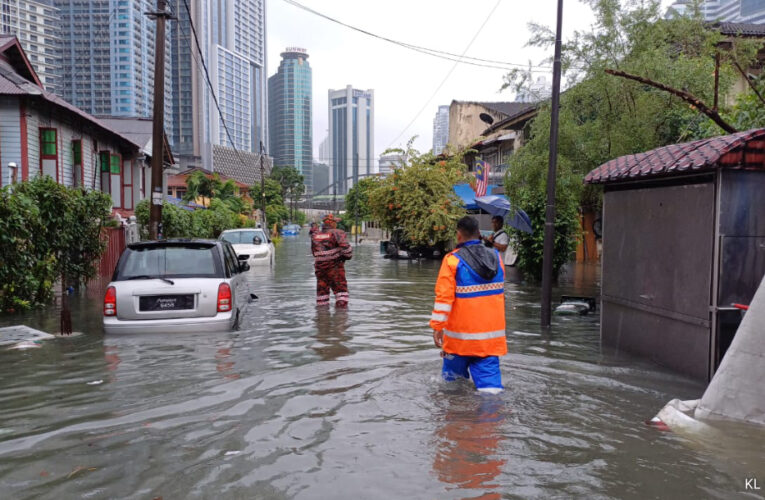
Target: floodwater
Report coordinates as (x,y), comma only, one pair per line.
(301,403)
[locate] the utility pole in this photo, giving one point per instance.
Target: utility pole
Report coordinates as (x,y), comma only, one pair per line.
(263,185)
(158,129)
(549,242)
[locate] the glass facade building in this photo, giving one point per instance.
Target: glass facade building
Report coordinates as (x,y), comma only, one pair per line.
(36,24)
(289,114)
(351,136)
(440,130)
(108,58)
(732,11)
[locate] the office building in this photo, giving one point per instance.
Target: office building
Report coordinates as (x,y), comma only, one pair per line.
(237,57)
(108,58)
(351,136)
(734,11)
(289,114)
(392,161)
(36,24)
(440,130)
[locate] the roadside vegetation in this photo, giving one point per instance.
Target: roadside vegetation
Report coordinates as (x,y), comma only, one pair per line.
(49,234)
(634,82)
(418,198)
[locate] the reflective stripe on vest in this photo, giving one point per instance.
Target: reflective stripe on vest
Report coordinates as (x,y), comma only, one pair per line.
(475,336)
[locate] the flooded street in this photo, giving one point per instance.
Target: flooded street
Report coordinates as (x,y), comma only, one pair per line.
(307,403)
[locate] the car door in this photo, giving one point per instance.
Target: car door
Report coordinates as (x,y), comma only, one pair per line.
(237,277)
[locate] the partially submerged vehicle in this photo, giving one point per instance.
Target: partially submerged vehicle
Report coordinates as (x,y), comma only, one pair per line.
(252,245)
(291,230)
(176,286)
(397,247)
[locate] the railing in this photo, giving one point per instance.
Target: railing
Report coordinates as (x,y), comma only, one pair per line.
(115,244)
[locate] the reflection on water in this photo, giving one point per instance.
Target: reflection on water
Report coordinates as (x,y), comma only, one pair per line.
(307,403)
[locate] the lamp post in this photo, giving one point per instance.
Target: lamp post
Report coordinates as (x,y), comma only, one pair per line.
(549,241)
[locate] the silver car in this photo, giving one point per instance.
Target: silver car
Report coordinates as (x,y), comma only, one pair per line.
(173,286)
(252,245)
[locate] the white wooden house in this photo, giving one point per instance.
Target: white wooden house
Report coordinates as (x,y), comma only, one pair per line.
(41,134)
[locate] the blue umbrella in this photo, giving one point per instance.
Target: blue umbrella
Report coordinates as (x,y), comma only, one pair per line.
(521,221)
(494,204)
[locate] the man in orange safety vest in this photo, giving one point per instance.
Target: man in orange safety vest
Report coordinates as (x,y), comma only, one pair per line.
(468,319)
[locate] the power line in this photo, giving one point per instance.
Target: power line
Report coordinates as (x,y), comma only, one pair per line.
(209,84)
(448,74)
(474,61)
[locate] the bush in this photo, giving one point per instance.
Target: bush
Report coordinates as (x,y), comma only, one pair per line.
(180,223)
(47,232)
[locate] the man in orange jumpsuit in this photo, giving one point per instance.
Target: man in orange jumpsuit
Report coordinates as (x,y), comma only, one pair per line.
(468,317)
(330,249)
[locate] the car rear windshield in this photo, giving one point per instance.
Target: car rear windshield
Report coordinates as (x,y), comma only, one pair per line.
(243,237)
(172,261)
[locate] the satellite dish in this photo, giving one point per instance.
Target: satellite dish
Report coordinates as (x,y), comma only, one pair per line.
(486,118)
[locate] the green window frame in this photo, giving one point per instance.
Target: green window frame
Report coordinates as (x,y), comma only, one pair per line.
(49,142)
(77,152)
(103,160)
(115,164)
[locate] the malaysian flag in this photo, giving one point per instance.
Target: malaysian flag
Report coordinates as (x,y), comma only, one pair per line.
(481,177)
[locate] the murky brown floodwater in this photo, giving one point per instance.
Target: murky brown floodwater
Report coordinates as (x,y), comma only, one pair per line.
(303,403)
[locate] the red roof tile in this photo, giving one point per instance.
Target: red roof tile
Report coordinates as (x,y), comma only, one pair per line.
(744,150)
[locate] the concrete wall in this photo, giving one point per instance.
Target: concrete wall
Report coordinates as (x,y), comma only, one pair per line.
(465,125)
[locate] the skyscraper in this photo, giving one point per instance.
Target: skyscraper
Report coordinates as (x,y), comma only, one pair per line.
(736,11)
(36,24)
(440,130)
(351,136)
(289,114)
(237,35)
(108,57)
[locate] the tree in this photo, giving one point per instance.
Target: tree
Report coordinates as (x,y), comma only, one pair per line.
(199,185)
(358,198)
(276,212)
(292,184)
(49,232)
(419,198)
(604,116)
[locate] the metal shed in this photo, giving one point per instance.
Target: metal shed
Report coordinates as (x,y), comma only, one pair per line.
(683,240)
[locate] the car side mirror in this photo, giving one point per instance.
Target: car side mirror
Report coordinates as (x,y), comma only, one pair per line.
(243,266)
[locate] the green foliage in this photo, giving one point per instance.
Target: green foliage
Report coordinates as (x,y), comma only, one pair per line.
(47,232)
(292,185)
(203,223)
(748,112)
(208,187)
(276,212)
(419,198)
(603,116)
(358,198)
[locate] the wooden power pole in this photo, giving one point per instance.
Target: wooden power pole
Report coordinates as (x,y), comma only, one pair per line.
(549,241)
(158,129)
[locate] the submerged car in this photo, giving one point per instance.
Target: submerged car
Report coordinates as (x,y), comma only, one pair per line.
(252,245)
(176,286)
(291,230)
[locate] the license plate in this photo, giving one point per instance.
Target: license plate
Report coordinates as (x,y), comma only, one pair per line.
(165,302)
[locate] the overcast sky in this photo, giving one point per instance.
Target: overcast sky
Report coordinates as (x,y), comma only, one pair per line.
(404,80)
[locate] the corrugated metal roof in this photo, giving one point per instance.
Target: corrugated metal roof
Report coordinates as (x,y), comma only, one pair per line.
(744,150)
(13,83)
(741,29)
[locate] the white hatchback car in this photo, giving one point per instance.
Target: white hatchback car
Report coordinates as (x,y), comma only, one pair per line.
(252,245)
(171,286)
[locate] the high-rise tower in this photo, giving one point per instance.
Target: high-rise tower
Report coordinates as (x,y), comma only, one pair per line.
(351,136)
(289,114)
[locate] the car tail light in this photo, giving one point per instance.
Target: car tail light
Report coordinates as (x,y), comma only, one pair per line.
(224,297)
(110,302)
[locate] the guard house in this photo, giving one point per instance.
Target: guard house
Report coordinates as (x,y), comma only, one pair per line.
(683,240)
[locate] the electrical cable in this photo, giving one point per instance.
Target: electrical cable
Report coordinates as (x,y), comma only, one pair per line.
(209,84)
(425,50)
(448,74)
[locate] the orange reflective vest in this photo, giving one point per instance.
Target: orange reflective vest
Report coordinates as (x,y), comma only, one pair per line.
(469,309)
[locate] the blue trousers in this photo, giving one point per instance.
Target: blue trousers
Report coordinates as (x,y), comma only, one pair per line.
(484,371)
